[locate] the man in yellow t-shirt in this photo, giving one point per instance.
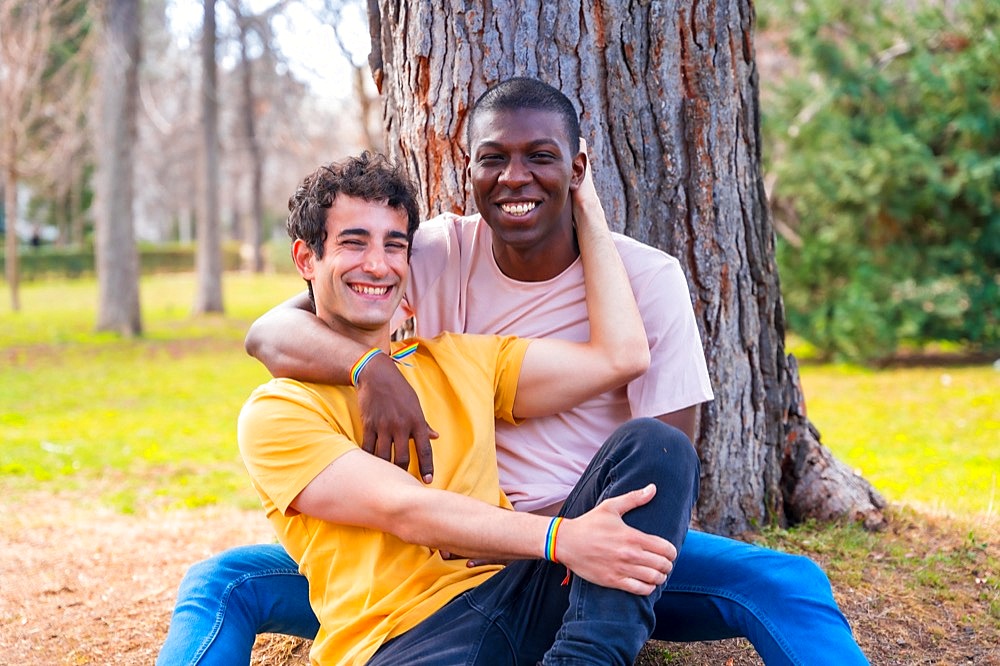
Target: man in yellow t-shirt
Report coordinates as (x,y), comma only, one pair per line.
(371,538)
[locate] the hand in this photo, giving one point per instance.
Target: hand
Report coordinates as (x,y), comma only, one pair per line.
(585,196)
(599,547)
(391,416)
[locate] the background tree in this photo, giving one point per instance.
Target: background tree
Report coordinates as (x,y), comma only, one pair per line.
(331,12)
(42,90)
(118,306)
(253,239)
(885,173)
(208,260)
(669,105)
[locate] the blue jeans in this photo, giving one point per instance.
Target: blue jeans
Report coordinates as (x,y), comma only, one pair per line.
(720,588)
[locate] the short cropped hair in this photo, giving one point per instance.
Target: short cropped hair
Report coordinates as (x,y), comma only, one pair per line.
(527,93)
(369,177)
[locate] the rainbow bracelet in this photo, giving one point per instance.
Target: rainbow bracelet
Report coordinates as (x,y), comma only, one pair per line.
(362,362)
(550,539)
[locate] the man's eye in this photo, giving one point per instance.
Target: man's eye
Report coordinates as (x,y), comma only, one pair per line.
(395,246)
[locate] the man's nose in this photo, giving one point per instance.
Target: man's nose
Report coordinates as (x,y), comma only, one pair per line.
(515,174)
(375,262)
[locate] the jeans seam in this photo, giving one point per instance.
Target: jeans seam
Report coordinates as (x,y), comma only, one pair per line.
(224,603)
(753,608)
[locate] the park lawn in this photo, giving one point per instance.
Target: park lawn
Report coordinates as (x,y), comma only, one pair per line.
(137,424)
(151,422)
(926,437)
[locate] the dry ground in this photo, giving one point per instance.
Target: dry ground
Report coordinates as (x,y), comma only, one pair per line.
(86,585)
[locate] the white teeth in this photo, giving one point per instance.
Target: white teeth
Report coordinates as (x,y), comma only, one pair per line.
(518,209)
(371,291)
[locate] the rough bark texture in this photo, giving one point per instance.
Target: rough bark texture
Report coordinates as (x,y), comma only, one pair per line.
(815,484)
(208,258)
(116,252)
(254,236)
(668,97)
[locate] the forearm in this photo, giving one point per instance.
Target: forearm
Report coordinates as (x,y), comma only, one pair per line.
(361,490)
(293,342)
(458,524)
(617,333)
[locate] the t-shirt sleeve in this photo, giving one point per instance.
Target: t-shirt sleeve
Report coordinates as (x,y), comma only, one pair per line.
(287,435)
(497,359)
(433,288)
(510,357)
(677,375)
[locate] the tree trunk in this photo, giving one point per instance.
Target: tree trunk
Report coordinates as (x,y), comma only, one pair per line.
(668,98)
(118,306)
(208,297)
(253,238)
(11,270)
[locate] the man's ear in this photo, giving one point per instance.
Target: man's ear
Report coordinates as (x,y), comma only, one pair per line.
(303,256)
(579,167)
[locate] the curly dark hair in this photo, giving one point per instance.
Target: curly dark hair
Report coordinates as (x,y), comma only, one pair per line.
(368,176)
(526,93)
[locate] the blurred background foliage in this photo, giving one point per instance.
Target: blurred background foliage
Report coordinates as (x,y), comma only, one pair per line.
(881,134)
(882,149)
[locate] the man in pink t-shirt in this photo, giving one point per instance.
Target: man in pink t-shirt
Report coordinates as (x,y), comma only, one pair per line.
(456,285)
(516,271)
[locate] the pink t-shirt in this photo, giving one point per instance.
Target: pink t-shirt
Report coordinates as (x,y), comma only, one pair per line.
(455,285)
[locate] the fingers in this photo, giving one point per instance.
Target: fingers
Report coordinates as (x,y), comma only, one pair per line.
(368,440)
(400,449)
(622,504)
(638,577)
(395,447)
(383,446)
(425,457)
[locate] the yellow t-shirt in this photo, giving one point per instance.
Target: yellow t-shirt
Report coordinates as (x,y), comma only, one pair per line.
(367,586)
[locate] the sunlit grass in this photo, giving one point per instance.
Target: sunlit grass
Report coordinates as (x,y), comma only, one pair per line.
(150,422)
(929,437)
(142,422)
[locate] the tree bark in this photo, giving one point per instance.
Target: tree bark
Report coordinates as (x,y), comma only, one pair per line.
(208,257)
(253,238)
(668,98)
(11,269)
(118,307)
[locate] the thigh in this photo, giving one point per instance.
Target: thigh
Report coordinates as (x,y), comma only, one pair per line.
(511,619)
(456,635)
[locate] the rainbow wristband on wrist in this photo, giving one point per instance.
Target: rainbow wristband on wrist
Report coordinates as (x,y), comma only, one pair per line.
(362,362)
(550,539)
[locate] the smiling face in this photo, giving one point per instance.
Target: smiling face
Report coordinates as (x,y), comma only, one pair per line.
(361,277)
(522,170)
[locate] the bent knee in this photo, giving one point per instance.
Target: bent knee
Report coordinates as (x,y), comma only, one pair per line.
(789,576)
(664,444)
(224,571)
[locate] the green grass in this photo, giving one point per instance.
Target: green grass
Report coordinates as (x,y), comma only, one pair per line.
(151,422)
(928,437)
(141,423)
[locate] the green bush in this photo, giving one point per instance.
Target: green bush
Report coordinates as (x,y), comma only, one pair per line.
(46,262)
(885,149)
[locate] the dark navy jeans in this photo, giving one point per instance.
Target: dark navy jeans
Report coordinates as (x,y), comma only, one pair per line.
(524,614)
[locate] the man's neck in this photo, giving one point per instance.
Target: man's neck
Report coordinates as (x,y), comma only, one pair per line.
(536,264)
(380,337)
